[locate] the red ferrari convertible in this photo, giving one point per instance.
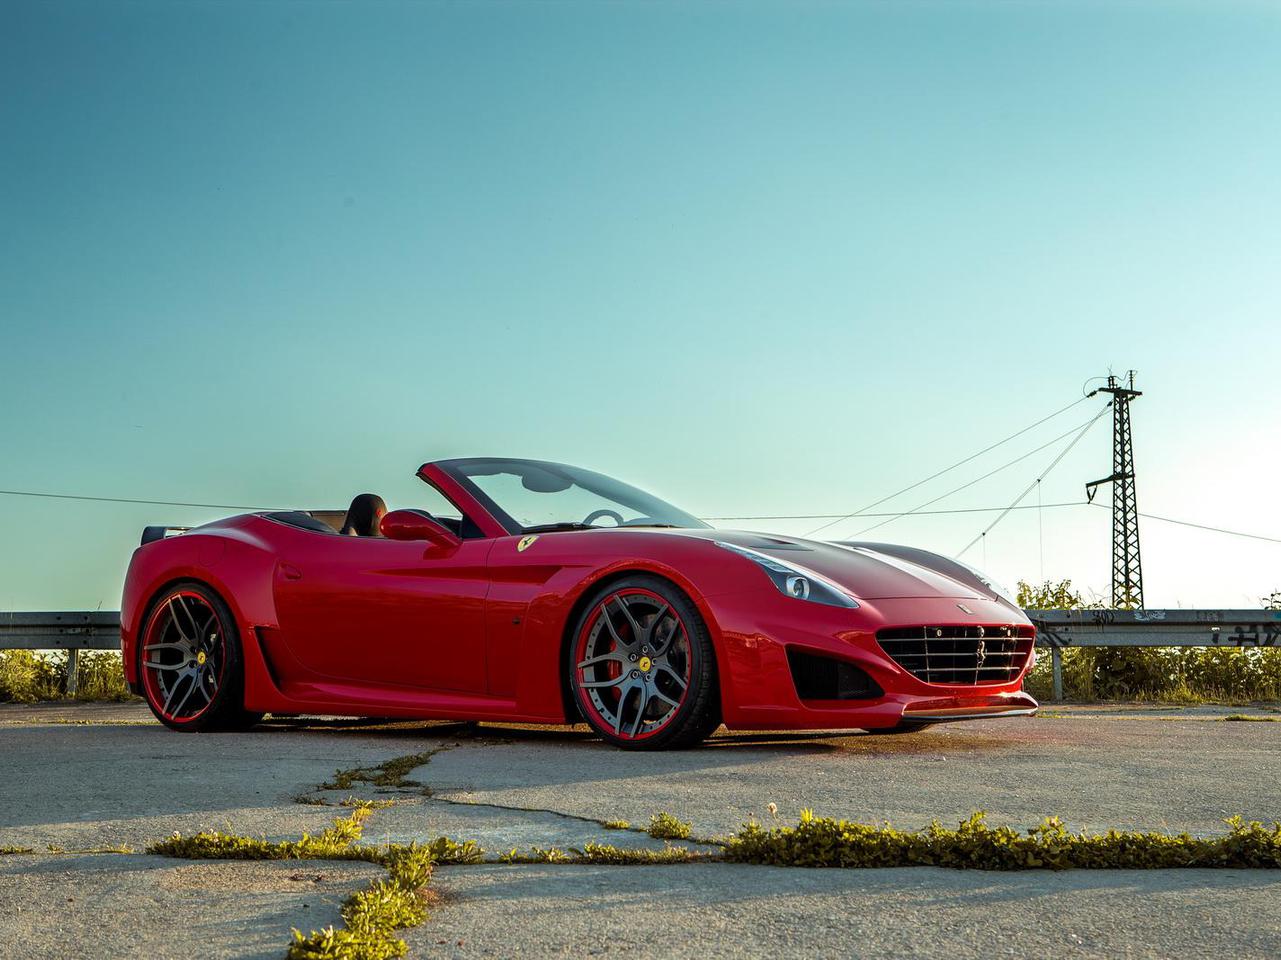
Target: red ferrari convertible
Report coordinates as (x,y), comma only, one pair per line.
(552,594)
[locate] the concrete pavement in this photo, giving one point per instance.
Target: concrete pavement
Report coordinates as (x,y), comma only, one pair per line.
(83,778)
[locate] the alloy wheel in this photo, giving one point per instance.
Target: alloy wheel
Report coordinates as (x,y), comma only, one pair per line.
(184,656)
(633,663)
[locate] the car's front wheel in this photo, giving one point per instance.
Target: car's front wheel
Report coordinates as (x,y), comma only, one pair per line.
(190,663)
(642,667)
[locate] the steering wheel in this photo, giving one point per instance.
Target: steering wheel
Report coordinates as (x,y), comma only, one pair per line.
(597,514)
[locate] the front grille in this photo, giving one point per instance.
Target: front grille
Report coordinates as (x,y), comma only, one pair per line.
(968,655)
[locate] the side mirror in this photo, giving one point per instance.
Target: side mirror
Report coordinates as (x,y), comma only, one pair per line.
(416,525)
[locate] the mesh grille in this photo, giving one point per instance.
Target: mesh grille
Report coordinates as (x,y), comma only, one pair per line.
(968,655)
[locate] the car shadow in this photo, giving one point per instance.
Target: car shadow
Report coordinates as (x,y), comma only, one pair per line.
(929,739)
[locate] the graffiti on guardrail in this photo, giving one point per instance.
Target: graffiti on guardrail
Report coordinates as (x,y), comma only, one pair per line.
(1255,635)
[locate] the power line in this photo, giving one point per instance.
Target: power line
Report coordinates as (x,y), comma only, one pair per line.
(153,503)
(783,516)
(959,463)
(1035,483)
(1200,526)
(917,513)
(970,483)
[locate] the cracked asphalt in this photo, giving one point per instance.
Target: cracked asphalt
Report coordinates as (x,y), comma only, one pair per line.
(81,783)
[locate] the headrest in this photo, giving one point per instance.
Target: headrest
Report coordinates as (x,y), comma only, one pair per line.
(363,516)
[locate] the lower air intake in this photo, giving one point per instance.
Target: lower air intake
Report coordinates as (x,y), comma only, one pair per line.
(825,678)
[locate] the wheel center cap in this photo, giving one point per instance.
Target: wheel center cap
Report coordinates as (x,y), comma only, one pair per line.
(644,664)
(201,658)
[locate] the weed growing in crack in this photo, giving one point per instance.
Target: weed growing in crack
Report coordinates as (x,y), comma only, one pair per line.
(390,773)
(606,854)
(372,916)
(973,845)
(663,826)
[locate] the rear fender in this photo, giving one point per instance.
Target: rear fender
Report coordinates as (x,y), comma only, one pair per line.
(239,569)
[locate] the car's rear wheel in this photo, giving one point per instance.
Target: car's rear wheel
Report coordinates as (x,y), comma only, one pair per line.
(642,668)
(190,663)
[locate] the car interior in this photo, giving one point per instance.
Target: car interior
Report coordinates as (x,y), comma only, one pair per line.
(361,519)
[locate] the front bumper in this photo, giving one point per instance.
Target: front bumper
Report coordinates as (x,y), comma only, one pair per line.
(756,629)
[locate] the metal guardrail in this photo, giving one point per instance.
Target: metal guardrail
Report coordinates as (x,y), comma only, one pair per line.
(1056,629)
(70,631)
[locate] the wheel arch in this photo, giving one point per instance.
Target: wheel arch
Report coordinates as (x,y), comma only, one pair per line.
(582,601)
(236,567)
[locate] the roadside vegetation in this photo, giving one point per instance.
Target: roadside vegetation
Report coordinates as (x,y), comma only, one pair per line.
(1186,675)
(28,676)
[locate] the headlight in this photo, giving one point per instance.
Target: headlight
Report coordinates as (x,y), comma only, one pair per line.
(1000,589)
(793,580)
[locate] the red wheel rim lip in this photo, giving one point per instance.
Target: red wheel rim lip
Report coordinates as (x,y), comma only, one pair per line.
(149,674)
(580,647)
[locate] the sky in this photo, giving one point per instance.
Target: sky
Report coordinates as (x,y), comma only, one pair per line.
(761,259)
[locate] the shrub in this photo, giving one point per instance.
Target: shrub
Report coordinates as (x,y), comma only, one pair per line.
(1178,674)
(27,676)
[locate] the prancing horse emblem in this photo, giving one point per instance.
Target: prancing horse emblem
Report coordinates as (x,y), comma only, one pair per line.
(965,609)
(980,653)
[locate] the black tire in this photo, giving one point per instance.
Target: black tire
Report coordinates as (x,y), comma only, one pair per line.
(699,709)
(174,616)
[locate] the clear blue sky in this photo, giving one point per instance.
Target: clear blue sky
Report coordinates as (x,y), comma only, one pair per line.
(762,259)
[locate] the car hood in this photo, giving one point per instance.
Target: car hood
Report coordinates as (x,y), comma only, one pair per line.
(862,569)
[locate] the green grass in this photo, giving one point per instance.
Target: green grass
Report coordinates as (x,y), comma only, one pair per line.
(337,842)
(372,916)
(393,773)
(973,845)
(29,676)
(664,826)
(606,854)
(1176,675)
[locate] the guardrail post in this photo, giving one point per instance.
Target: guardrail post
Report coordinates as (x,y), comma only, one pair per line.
(73,671)
(1056,664)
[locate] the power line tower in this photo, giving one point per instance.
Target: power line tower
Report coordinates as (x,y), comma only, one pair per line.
(1127,569)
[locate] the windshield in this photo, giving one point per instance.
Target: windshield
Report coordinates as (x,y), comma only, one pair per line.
(530,495)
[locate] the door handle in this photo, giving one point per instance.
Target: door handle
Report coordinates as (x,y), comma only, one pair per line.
(290,572)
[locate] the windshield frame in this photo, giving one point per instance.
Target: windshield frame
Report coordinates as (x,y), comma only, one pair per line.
(461,471)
